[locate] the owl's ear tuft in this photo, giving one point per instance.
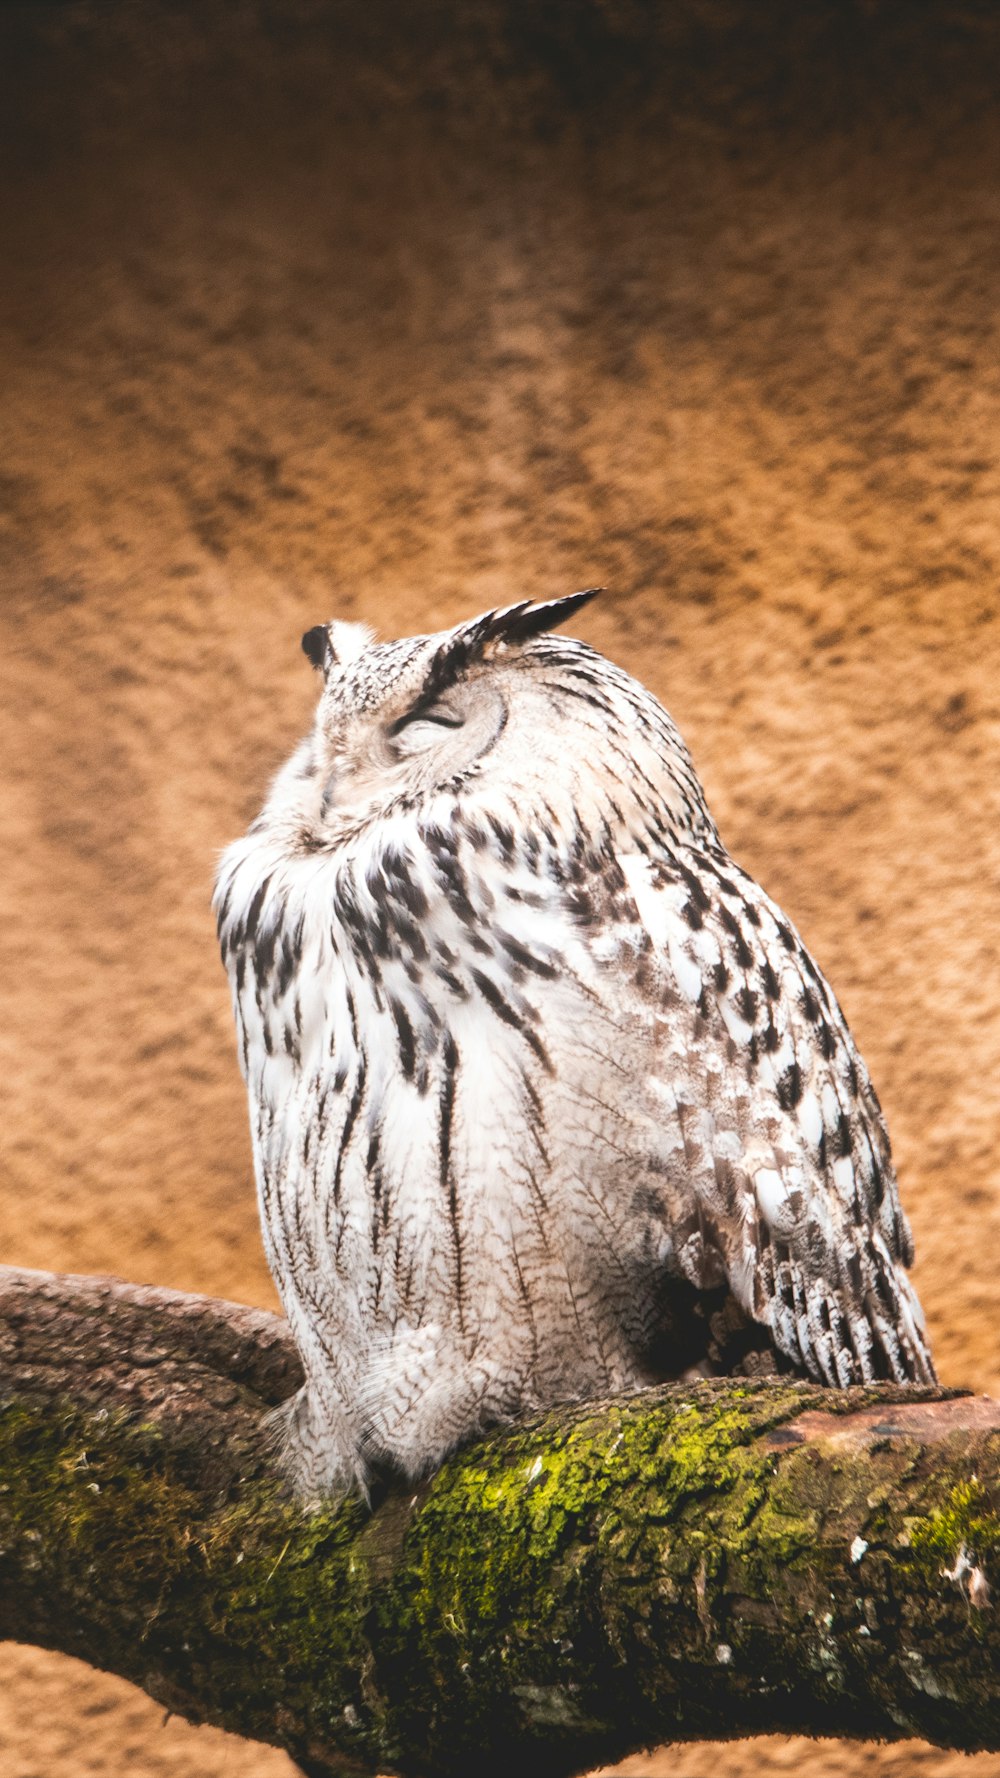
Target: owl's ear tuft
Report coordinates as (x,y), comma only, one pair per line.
(519,623)
(316,645)
(507,628)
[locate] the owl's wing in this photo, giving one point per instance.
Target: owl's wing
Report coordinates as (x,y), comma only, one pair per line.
(771,1147)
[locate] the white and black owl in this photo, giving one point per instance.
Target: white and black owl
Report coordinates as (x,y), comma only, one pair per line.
(548,1098)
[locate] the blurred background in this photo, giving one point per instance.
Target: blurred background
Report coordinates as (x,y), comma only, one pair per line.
(394,311)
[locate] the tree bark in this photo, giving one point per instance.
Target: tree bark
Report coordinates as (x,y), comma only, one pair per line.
(704,1560)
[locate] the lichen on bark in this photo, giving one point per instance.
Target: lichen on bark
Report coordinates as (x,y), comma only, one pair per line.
(698,1560)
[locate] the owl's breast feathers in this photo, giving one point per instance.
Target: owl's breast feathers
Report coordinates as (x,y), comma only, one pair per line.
(468,1021)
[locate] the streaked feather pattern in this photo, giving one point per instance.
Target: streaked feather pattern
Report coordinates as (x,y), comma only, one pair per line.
(547,1097)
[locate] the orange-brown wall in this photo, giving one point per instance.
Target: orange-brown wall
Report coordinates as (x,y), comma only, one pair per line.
(311,310)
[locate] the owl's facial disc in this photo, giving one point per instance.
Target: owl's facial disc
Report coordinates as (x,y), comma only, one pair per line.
(400,720)
(443,733)
(380,756)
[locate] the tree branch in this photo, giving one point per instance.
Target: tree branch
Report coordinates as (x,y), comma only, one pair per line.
(695,1561)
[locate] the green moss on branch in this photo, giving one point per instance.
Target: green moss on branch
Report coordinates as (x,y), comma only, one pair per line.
(695,1561)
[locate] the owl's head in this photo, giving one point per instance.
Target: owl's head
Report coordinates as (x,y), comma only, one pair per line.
(400,720)
(495,709)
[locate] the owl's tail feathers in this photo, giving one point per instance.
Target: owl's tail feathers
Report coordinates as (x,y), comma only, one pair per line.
(865,1327)
(896,1319)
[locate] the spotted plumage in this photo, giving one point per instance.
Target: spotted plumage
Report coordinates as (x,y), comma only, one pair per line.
(548,1099)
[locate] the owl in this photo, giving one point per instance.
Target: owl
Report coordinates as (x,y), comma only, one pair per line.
(548,1099)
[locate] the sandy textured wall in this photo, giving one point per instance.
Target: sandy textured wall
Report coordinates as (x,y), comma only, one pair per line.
(306,311)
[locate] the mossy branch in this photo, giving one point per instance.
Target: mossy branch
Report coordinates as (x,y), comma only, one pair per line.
(706,1560)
